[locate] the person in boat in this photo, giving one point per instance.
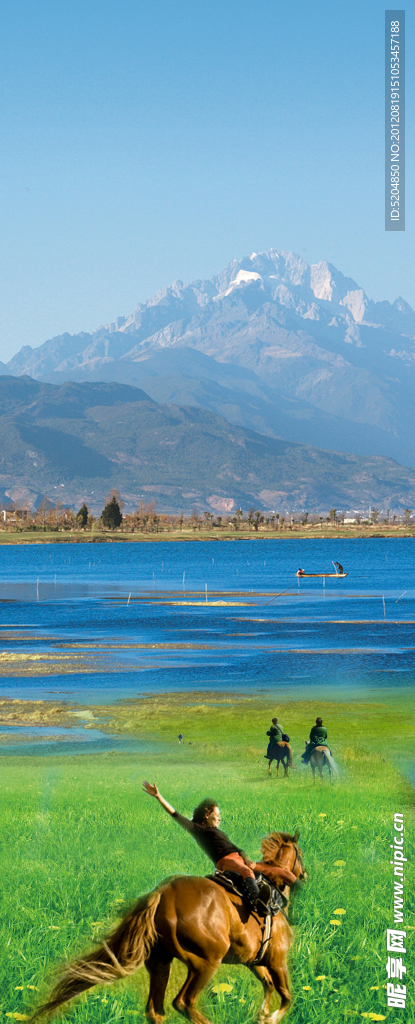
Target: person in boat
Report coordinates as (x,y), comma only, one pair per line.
(300,572)
(226,856)
(275,734)
(339,568)
(318,735)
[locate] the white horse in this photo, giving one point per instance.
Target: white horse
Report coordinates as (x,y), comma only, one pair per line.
(321,756)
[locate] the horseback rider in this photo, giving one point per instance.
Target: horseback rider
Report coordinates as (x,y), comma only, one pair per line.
(318,735)
(275,734)
(226,856)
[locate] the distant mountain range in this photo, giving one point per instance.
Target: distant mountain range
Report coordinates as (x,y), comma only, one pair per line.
(74,442)
(273,344)
(242,389)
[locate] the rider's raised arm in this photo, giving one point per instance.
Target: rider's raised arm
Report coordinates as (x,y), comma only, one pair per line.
(152,790)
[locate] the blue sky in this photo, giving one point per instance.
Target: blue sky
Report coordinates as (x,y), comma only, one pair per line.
(145,142)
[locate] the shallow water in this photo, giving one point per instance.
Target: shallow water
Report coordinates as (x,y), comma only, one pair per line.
(115,622)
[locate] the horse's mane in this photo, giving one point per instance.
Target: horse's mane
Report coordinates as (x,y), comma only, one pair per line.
(271,845)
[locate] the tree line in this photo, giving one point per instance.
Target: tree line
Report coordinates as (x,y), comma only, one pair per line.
(146,519)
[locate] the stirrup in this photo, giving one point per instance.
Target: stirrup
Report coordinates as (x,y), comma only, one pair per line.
(264,895)
(264,891)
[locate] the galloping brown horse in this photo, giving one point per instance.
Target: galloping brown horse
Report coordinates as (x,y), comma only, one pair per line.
(201,924)
(281,753)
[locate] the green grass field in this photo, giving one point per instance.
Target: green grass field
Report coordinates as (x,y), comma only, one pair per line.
(80,841)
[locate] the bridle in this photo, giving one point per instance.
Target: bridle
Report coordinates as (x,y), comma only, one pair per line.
(267,923)
(297,859)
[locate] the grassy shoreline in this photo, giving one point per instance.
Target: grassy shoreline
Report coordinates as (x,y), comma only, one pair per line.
(234,726)
(296,533)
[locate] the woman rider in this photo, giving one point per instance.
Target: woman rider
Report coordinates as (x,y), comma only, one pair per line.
(318,735)
(226,856)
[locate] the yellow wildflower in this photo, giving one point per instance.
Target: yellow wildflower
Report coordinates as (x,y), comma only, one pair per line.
(374,988)
(18,988)
(223,987)
(334,921)
(33,987)
(321,977)
(307,988)
(339,863)
(18,1016)
(339,911)
(322,815)
(340,822)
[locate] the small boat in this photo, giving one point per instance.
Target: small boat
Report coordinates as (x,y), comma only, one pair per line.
(321,575)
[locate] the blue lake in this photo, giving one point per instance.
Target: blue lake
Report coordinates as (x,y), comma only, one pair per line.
(123,604)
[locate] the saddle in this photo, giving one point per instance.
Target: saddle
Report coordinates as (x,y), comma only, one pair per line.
(231,881)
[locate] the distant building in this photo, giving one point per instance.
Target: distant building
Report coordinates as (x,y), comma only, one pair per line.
(14,515)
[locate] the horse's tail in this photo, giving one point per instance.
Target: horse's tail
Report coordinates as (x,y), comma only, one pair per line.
(331,763)
(119,956)
(290,755)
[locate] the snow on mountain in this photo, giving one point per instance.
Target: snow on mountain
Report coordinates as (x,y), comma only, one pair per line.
(305,343)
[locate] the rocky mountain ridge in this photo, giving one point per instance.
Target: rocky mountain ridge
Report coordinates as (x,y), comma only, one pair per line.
(74,442)
(271,344)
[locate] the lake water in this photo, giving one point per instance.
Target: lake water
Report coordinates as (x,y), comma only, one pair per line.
(124,620)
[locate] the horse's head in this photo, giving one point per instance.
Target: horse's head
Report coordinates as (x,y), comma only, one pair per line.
(281,849)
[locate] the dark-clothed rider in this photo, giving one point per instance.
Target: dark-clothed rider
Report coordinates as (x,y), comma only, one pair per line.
(318,735)
(275,734)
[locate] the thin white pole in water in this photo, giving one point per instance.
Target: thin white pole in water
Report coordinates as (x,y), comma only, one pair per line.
(206,591)
(128,598)
(184,585)
(384,609)
(37,590)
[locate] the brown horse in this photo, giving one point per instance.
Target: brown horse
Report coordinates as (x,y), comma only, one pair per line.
(201,924)
(281,753)
(321,756)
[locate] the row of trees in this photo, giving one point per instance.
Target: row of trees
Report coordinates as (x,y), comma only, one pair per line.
(146,519)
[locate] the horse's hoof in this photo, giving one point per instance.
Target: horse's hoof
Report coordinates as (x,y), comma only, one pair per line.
(179,1006)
